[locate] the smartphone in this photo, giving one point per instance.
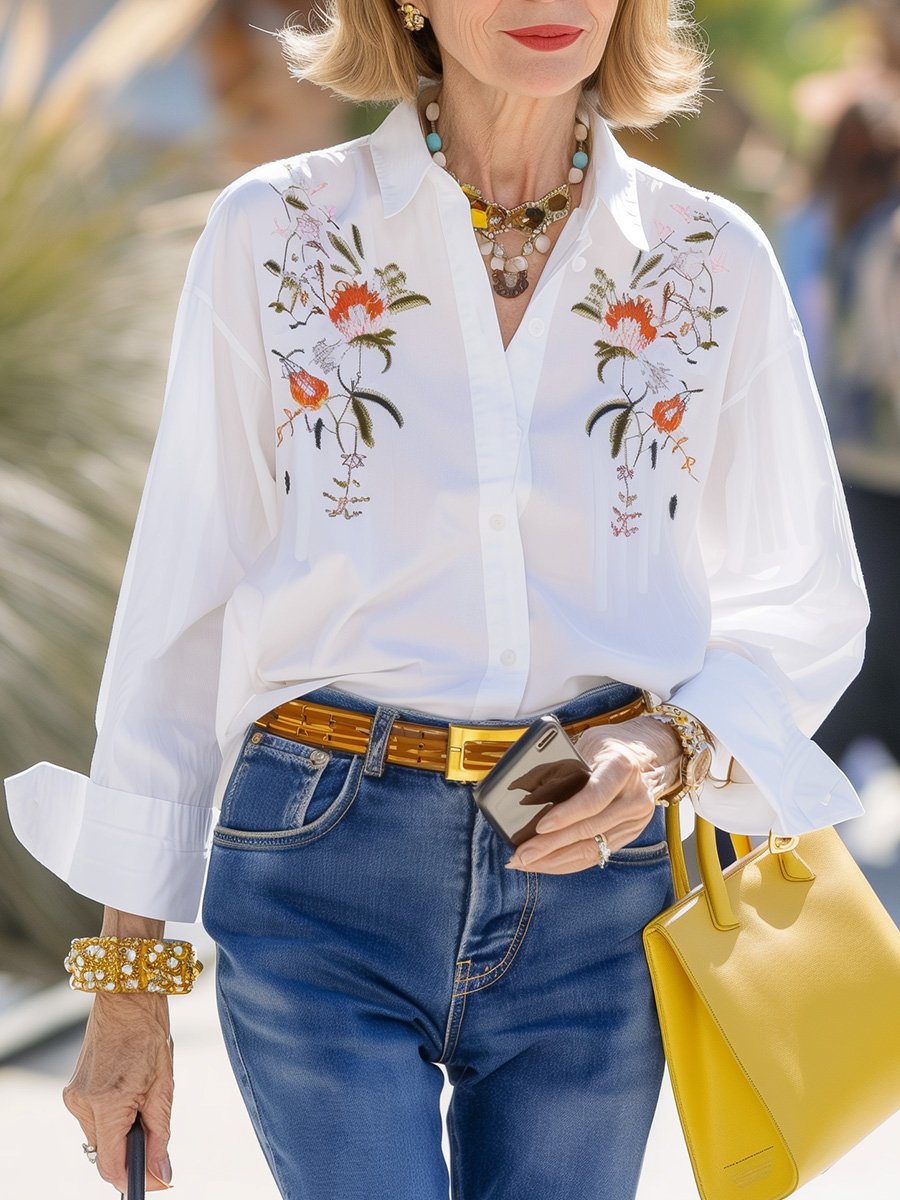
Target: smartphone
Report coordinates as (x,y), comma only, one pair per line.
(135,1160)
(540,769)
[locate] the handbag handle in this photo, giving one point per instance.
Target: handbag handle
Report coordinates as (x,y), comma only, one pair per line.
(793,868)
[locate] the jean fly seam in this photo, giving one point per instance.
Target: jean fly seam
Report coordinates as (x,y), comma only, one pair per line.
(531,879)
(457,1010)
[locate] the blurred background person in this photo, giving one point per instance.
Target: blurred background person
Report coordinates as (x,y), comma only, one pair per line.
(841,251)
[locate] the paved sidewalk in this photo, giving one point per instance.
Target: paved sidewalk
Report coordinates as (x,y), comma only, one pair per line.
(214,1150)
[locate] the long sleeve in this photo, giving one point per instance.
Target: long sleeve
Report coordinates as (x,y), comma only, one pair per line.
(788,605)
(133,834)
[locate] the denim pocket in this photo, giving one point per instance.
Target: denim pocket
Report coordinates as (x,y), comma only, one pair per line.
(283,793)
(650,845)
(640,855)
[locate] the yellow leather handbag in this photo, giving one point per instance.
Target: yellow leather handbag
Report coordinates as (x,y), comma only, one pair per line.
(777,985)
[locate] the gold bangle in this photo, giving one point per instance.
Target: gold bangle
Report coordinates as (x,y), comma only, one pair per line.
(132,964)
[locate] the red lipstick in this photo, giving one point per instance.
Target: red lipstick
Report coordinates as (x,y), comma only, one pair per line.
(546,37)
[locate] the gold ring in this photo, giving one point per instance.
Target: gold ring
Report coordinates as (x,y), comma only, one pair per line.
(603,849)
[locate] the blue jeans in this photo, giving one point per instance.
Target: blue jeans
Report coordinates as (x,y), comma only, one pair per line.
(367,931)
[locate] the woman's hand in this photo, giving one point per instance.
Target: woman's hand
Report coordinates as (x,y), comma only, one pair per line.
(630,763)
(125,1067)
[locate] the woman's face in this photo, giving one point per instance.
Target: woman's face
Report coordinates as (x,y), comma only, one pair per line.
(478,35)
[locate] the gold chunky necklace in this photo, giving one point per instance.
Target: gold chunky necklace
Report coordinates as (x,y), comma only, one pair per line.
(509,274)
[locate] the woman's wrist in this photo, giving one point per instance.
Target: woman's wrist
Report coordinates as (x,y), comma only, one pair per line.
(130,955)
(655,749)
(122,924)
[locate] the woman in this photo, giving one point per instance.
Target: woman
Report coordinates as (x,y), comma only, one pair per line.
(439,460)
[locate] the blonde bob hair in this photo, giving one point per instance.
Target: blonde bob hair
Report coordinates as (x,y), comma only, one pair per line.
(652,68)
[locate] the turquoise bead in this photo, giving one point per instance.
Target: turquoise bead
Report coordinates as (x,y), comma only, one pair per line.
(433,141)
(579,159)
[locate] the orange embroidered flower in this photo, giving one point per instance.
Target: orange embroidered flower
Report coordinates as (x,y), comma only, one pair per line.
(630,323)
(667,414)
(355,309)
(307,390)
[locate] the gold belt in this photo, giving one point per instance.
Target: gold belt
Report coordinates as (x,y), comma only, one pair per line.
(463,752)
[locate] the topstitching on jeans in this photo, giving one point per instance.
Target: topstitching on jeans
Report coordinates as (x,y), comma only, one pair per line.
(500,968)
(457,1010)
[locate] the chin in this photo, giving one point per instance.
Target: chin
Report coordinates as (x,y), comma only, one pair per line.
(538,84)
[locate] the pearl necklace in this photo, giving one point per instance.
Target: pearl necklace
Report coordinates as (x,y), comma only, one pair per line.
(510,273)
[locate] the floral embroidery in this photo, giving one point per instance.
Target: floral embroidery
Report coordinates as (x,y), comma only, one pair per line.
(322,276)
(677,305)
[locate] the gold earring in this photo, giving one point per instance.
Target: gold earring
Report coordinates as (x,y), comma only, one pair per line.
(412,18)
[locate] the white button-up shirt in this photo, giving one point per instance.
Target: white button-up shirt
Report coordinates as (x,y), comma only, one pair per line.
(355,484)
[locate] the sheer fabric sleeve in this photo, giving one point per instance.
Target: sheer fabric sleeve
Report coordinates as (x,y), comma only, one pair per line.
(133,834)
(788,603)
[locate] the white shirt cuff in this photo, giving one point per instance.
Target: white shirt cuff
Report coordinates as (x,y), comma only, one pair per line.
(784,782)
(135,853)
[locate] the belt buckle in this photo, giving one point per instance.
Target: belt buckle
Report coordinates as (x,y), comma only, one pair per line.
(457,738)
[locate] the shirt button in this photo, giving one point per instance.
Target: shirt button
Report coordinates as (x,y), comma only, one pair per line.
(579,263)
(535,326)
(497,521)
(508,657)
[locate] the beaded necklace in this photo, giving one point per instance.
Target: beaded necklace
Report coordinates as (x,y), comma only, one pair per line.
(509,274)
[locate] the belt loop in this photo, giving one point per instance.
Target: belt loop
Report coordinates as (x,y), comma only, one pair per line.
(382,722)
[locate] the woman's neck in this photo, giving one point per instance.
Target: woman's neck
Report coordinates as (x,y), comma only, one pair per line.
(514,148)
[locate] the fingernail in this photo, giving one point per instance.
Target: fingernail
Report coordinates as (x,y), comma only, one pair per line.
(163,1172)
(544,825)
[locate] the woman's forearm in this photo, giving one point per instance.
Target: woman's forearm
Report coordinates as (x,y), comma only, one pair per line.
(122,924)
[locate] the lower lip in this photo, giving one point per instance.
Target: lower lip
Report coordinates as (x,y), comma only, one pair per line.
(558,42)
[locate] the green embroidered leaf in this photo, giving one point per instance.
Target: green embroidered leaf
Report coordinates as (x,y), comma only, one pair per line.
(705,314)
(277,305)
(717,312)
(648,266)
(610,351)
(273,266)
(342,248)
(617,432)
(606,353)
(364,420)
(604,284)
(357,241)
(604,410)
(654,450)
(380,341)
(295,203)
(673,504)
(384,336)
(705,236)
(410,300)
(708,345)
(377,398)
(338,269)
(587,310)
(317,432)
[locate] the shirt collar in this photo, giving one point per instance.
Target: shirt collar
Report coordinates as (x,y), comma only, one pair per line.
(402,160)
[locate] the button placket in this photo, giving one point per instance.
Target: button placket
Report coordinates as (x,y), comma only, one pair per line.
(498,439)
